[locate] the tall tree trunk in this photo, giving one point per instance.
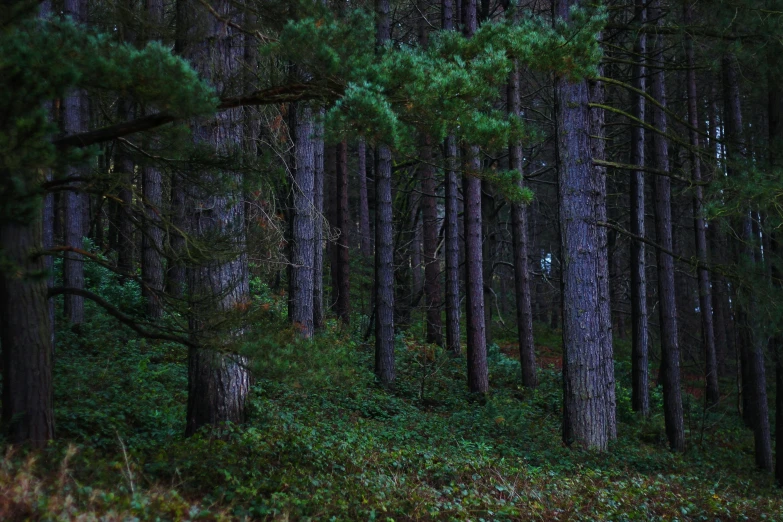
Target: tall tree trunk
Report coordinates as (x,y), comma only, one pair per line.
(384,234)
(488,245)
(670,349)
(478,374)
(754,381)
(218,382)
(640,396)
(588,376)
(152,191)
(318,201)
(340,250)
(451,219)
(527,353)
(705,291)
(303,229)
(364,205)
(75,120)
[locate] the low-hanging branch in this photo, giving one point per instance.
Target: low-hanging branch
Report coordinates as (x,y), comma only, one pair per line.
(283,94)
(120,316)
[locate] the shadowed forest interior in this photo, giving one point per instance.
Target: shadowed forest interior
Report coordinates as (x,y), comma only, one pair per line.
(391,259)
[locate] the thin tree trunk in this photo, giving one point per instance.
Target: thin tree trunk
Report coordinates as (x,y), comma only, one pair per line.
(318,201)
(705,291)
(364,206)
(152,191)
(588,377)
(74,121)
(488,245)
(340,250)
(218,382)
(640,396)
(451,219)
(527,353)
(429,214)
(478,373)
(670,350)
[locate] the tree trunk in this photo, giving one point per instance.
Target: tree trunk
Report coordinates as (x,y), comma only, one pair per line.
(429,214)
(488,245)
(384,235)
(640,396)
(75,120)
(340,250)
(152,191)
(588,375)
(26,336)
(451,220)
(364,206)
(303,230)
(670,350)
(705,291)
(318,201)
(478,376)
(218,382)
(527,353)
(754,381)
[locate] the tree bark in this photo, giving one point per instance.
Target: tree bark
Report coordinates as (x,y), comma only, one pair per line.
(384,240)
(340,250)
(640,395)
(527,354)
(429,215)
(670,349)
(318,201)
(364,205)
(218,382)
(451,219)
(75,120)
(303,228)
(152,192)
(705,291)
(588,376)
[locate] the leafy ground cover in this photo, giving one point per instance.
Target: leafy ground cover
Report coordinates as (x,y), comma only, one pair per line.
(323,441)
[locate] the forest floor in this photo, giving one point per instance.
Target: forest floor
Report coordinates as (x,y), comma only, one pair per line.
(323,441)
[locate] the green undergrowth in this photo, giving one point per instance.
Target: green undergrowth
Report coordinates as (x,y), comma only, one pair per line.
(324,441)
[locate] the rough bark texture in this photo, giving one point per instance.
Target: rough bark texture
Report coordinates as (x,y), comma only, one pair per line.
(705,292)
(670,349)
(340,250)
(303,228)
(318,201)
(527,354)
(451,224)
(25,334)
(478,377)
(152,192)
(75,117)
(384,240)
(218,382)
(588,384)
(640,342)
(754,380)
(364,205)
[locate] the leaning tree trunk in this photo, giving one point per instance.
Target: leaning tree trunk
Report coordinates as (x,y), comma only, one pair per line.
(478,374)
(451,220)
(705,291)
(218,381)
(588,376)
(754,380)
(640,395)
(527,354)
